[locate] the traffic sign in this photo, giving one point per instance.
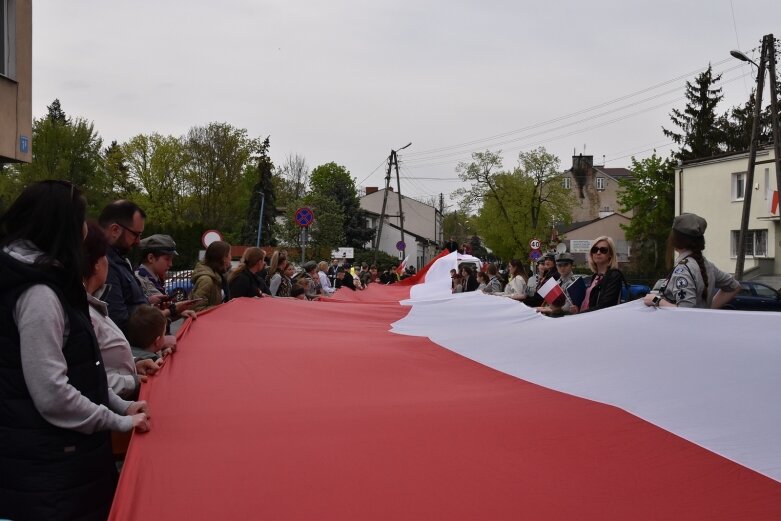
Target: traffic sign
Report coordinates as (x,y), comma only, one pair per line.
(535,255)
(534,244)
(305,217)
(209,236)
(401,246)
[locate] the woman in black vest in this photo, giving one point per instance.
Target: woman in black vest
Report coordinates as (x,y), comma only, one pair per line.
(56,409)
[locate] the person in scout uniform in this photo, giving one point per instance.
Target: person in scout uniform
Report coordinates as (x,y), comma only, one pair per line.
(564,264)
(693,278)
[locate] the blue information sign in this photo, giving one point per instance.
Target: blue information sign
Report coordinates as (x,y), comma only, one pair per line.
(535,254)
(24,144)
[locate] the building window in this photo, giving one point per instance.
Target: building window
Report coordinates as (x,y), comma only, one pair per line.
(600,183)
(755,243)
(566,182)
(738,186)
(7,38)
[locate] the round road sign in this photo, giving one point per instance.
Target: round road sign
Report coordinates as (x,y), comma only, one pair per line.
(534,244)
(535,254)
(401,246)
(305,217)
(209,236)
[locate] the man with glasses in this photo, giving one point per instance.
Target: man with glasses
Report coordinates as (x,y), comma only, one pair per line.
(123,222)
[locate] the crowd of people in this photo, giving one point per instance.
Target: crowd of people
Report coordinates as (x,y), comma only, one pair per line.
(693,281)
(81,330)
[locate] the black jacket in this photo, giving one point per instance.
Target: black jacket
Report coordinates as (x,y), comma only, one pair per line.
(247,284)
(607,292)
(125,293)
(49,472)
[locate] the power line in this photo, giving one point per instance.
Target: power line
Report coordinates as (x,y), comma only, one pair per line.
(467,155)
(573,123)
(567,116)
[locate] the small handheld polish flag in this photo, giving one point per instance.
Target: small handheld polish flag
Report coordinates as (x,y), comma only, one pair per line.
(552,294)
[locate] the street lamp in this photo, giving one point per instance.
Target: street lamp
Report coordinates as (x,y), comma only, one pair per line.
(766,61)
(742,57)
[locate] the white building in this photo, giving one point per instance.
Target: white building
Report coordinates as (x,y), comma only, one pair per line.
(714,188)
(422,225)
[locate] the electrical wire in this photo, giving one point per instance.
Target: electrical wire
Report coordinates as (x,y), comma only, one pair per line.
(567,116)
(573,123)
(466,156)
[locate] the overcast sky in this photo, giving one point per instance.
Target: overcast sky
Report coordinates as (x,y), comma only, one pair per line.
(347,81)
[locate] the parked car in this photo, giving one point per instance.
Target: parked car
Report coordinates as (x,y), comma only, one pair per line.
(756,296)
(179,284)
(753,296)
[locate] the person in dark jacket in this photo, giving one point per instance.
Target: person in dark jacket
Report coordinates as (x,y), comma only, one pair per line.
(57,409)
(123,222)
(605,288)
(469,277)
(245,281)
(344,279)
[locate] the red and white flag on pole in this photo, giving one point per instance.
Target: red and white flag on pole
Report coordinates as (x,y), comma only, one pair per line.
(400,267)
(552,293)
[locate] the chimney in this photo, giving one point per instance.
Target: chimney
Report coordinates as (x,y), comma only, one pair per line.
(582,164)
(370,189)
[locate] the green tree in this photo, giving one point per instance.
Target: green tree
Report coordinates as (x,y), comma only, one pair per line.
(261,176)
(698,134)
(334,181)
(69,149)
(116,172)
(485,175)
(218,155)
(293,178)
(517,205)
(548,200)
(458,224)
(504,217)
(326,233)
(650,194)
(158,166)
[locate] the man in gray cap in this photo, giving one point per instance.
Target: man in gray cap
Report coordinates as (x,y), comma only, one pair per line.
(157,255)
(693,279)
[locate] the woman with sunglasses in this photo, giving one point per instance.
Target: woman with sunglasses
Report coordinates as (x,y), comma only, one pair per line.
(58,410)
(694,279)
(605,288)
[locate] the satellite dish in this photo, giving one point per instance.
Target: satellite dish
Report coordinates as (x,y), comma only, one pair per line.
(561,248)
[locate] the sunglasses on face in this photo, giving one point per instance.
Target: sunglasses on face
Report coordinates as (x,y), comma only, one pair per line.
(601,249)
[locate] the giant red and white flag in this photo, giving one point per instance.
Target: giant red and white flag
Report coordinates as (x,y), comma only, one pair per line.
(414,403)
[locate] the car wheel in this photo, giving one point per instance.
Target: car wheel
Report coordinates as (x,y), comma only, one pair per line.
(178,295)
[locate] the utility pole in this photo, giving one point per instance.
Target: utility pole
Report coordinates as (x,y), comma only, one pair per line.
(768,54)
(441,236)
(392,161)
(774,118)
(401,211)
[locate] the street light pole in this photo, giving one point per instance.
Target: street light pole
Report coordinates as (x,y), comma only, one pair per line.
(767,46)
(260,217)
